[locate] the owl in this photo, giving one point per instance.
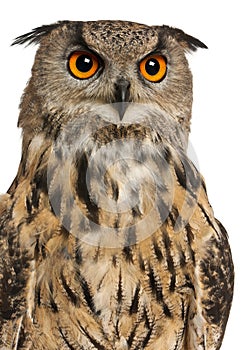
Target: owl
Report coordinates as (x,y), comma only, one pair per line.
(107,237)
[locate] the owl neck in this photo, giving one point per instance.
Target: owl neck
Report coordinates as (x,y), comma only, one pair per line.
(110,185)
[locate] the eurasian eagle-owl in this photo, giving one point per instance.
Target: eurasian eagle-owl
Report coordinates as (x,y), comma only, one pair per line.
(107,239)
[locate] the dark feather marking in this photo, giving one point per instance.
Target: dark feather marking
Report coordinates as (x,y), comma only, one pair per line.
(35,196)
(132,335)
(78,252)
(192,175)
(119,290)
(135,302)
(190,238)
(28,205)
(117,331)
(150,330)
(166,310)
(136,212)
(170,262)
(188,177)
(147,338)
(72,296)
(188,283)
(173,215)
(115,189)
(82,187)
(101,281)
(183,310)
(127,251)
(114,260)
(41,160)
(38,295)
(182,258)
(39,186)
(12,250)
(86,292)
(141,263)
(158,252)
(181,176)
(153,283)
(180,335)
(37,250)
(167,155)
(172,282)
(53,304)
(41,181)
(207,217)
(70,346)
(43,251)
(203,186)
(30,218)
(91,339)
(117,219)
(146,318)
(156,289)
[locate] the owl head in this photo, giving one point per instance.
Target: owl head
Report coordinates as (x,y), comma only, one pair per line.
(81,64)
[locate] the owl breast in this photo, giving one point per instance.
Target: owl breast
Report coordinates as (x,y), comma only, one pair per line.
(116,184)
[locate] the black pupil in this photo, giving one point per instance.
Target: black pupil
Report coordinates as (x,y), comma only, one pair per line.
(152,66)
(84,63)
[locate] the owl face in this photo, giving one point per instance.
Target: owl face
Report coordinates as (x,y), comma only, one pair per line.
(85,63)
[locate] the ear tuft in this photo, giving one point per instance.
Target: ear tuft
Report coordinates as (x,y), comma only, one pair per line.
(188,42)
(36,35)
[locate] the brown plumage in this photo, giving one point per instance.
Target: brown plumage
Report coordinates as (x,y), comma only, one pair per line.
(107,239)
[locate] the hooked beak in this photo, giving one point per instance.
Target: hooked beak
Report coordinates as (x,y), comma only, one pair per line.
(122,96)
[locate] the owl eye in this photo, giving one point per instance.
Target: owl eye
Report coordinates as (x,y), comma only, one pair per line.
(153,68)
(83,65)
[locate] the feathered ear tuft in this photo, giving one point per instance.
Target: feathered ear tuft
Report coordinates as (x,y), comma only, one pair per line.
(36,35)
(188,42)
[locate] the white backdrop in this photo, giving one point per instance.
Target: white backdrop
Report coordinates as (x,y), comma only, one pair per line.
(220,128)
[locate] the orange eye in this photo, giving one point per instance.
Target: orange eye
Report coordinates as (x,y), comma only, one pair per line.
(83,65)
(154,68)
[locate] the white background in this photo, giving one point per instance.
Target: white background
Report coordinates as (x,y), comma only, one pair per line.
(220,125)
